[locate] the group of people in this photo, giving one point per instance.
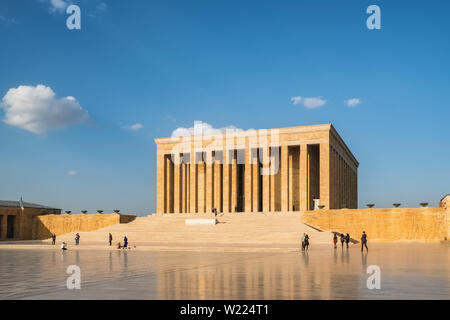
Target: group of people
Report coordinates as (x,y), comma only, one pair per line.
(346,239)
(119,245)
(305,242)
(77,241)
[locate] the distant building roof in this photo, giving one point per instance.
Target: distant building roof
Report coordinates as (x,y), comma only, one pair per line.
(16,204)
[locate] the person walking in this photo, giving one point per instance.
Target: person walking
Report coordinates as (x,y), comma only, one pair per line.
(110,239)
(335,240)
(347,239)
(63,246)
(364,242)
(306,242)
(342,240)
(77,239)
(53,239)
(125,242)
(303,241)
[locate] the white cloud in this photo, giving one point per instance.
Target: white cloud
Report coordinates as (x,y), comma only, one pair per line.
(72,173)
(58,5)
(202,128)
(102,6)
(314,102)
(135,126)
(310,103)
(36,109)
(8,20)
(296,100)
(353,102)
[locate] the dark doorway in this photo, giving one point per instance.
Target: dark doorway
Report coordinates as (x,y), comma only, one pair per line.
(10,227)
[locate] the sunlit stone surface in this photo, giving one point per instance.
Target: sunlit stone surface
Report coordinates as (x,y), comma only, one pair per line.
(408,271)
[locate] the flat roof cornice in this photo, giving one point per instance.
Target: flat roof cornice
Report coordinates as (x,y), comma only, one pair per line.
(282,130)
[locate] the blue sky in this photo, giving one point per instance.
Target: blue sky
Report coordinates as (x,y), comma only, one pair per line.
(165,64)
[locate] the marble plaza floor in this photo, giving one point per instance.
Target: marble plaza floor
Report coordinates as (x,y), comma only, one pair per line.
(408,271)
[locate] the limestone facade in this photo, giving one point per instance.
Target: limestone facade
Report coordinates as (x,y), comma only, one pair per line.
(267,170)
(16,221)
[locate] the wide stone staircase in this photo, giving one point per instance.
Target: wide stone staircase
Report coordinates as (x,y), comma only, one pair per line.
(235,231)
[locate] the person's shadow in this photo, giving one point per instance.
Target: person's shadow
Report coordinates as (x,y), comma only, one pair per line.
(305,258)
(363,258)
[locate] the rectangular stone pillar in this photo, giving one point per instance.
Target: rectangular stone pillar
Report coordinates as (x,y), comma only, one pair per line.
(183,186)
(304,178)
(272,178)
(234,182)
(218,185)
(266,179)
(209,185)
(248,180)
(160,183)
(169,184)
(188,187)
(226,181)
(201,191)
(193,184)
(290,180)
(324,175)
(284,167)
(255,181)
(332,180)
(176,187)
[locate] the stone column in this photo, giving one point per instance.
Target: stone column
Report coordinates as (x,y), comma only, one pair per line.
(188,187)
(290,180)
(266,179)
(201,179)
(324,163)
(209,185)
(193,184)
(183,186)
(169,184)
(160,182)
(248,180)
(234,182)
(218,185)
(333,179)
(274,169)
(304,178)
(226,181)
(255,181)
(284,167)
(177,185)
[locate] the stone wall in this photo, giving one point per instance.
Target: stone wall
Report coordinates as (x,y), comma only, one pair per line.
(23,221)
(393,224)
(44,226)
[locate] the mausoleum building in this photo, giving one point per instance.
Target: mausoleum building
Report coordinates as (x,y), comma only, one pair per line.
(284,169)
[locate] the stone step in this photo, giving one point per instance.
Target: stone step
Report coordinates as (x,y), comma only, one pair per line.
(250,228)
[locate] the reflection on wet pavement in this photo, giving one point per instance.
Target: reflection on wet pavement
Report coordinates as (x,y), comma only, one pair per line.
(408,271)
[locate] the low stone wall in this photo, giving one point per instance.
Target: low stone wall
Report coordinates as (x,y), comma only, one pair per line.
(394,224)
(44,226)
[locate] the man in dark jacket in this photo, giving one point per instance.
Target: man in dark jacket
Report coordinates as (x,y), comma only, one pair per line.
(347,239)
(364,242)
